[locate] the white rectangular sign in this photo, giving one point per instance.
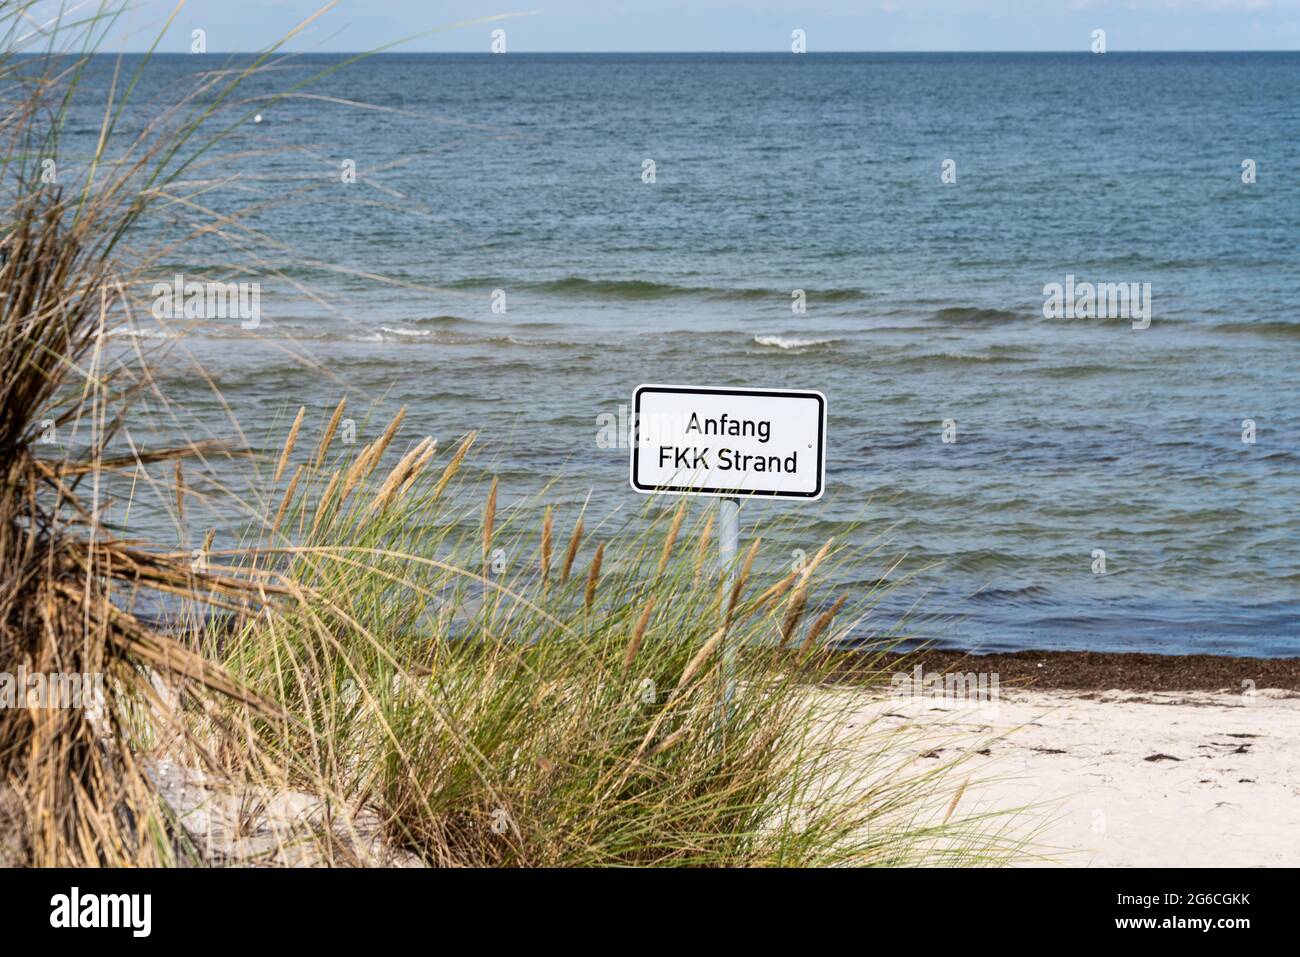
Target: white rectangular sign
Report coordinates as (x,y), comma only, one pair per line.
(729,442)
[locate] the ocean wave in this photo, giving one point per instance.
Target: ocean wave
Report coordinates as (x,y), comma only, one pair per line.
(637,289)
(1023,594)
(641,289)
(792,342)
(1276,330)
(444,322)
(438,337)
(974,315)
(1081,371)
(426,327)
(954,358)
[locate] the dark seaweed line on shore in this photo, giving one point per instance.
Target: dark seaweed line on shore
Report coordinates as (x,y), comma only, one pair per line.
(1085,670)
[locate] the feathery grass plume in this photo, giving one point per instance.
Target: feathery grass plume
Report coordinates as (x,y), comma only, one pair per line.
(820,624)
(370,455)
(956,799)
(799,600)
(322,448)
(741,579)
(575,540)
(454,465)
(593,575)
(769,598)
(290,440)
(418,466)
(794,611)
(489,519)
(700,658)
(356,471)
(287,500)
(638,633)
(376,452)
(402,472)
(326,499)
(671,539)
(668,743)
(808,568)
(548,525)
(773,594)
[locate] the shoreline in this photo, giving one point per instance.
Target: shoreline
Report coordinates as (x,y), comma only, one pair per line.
(1090,670)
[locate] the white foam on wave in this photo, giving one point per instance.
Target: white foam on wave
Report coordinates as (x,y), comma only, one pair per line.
(791,342)
(139,333)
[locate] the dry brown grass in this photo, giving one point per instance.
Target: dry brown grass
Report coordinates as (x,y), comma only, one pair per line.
(66,582)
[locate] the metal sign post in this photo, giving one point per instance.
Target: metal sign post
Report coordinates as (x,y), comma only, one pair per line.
(728,549)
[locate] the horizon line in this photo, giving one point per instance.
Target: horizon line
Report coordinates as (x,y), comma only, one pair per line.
(665,52)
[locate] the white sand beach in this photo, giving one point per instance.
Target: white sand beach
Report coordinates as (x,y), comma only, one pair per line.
(1126,779)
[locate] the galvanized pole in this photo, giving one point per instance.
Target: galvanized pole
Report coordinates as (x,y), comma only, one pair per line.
(728,546)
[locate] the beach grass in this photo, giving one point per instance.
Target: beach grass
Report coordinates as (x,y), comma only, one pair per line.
(502,695)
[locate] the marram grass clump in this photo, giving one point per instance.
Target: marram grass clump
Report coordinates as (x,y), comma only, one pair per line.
(617,706)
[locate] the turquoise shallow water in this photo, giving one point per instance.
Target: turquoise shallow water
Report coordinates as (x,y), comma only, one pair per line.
(924,299)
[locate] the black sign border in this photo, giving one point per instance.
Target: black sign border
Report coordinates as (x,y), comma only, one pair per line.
(723,390)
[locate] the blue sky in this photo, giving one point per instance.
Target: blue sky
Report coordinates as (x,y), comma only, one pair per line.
(703,25)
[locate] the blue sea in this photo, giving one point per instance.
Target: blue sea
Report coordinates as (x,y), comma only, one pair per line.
(924,301)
